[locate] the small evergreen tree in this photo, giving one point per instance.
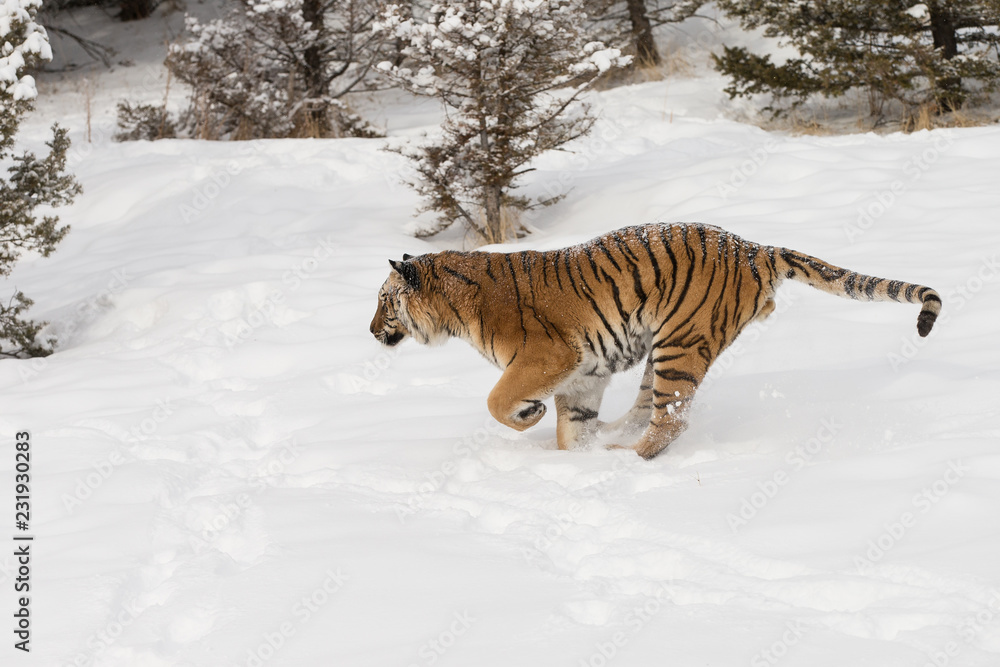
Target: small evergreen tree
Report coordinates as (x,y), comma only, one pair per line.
(144,122)
(917,54)
(508,73)
(32,182)
(277,68)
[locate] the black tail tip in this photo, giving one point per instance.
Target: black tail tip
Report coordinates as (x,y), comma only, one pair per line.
(925,322)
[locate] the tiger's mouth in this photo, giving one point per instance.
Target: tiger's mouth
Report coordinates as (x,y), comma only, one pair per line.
(391,339)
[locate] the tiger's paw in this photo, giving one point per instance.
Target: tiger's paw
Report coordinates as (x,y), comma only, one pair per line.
(529,416)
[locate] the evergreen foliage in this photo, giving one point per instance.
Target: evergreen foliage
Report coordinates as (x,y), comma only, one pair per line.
(508,73)
(932,53)
(31,182)
(144,122)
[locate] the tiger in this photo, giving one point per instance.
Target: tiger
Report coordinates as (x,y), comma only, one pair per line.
(560,323)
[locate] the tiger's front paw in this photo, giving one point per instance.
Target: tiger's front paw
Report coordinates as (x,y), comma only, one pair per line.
(529,415)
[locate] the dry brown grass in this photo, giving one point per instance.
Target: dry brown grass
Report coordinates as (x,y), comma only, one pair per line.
(802,124)
(511,227)
(929,116)
(921,118)
(797,123)
(824,119)
(88,97)
(674,62)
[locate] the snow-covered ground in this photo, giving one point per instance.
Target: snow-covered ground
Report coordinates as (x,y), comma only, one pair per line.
(229,470)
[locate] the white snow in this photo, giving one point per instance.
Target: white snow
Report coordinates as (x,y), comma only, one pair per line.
(919,12)
(604,59)
(229,470)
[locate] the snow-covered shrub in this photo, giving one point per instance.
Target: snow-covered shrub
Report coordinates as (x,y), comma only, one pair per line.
(914,53)
(277,68)
(508,73)
(31,182)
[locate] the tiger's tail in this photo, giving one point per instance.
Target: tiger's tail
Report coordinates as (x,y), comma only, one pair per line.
(845,283)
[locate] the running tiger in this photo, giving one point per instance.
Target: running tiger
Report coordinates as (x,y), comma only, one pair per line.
(560,323)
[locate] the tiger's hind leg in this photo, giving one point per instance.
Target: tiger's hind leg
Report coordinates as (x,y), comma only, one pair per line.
(640,412)
(677,372)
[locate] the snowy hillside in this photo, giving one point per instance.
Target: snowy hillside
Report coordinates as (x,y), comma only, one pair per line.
(229,470)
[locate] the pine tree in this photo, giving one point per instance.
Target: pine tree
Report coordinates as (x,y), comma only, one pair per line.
(277,68)
(509,73)
(32,182)
(916,54)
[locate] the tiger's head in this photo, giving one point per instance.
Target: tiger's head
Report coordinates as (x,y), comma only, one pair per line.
(405,307)
(389,325)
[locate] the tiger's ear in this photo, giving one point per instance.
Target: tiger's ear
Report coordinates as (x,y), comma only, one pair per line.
(408,271)
(407,256)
